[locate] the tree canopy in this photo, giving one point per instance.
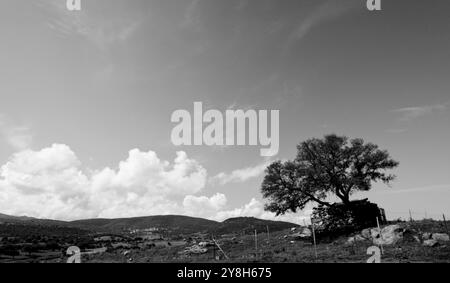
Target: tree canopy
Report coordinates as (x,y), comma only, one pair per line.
(334,165)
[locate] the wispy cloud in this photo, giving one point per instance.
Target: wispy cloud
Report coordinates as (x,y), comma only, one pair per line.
(325,12)
(444,187)
(240,175)
(101,33)
(410,113)
(405,116)
(18,137)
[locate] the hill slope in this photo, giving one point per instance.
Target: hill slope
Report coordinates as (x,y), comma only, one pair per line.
(174,223)
(246,225)
(177,223)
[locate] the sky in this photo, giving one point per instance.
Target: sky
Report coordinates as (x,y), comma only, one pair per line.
(86,99)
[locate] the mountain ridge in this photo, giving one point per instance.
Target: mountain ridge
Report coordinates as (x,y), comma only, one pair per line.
(175,223)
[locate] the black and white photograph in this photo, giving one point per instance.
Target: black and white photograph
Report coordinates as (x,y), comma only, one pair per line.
(197,132)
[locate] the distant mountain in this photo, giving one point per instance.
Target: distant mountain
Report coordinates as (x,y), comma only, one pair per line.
(250,224)
(174,223)
(184,224)
(18,218)
(31,221)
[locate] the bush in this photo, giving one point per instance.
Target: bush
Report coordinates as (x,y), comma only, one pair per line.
(9,250)
(339,219)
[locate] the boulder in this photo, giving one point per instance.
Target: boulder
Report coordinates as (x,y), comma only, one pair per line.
(430,243)
(196,250)
(440,237)
(357,238)
(366,234)
(306,232)
(389,235)
(426,236)
(374,233)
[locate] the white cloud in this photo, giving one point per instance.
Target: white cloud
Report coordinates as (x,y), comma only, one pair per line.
(410,113)
(407,115)
(18,137)
(50,183)
(204,206)
(240,175)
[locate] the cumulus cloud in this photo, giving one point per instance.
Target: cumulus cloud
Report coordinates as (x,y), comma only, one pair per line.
(51,184)
(240,175)
(204,206)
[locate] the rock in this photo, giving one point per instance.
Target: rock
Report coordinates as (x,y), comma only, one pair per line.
(389,235)
(306,232)
(357,238)
(374,233)
(195,250)
(430,243)
(350,241)
(440,237)
(426,236)
(366,234)
(417,239)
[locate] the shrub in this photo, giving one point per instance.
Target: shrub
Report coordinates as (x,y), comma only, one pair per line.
(339,219)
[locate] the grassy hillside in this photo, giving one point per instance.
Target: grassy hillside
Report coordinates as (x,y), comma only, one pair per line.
(246,225)
(176,223)
(280,247)
(183,224)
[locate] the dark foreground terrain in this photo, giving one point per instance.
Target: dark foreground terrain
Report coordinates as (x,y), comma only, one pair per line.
(185,239)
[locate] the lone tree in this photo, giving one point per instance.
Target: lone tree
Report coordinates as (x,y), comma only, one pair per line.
(332,166)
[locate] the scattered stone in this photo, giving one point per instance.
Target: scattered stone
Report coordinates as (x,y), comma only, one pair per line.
(430,243)
(195,250)
(417,239)
(426,236)
(389,235)
(374,233)
(440,237)
(366,234)
(305,233)
(357,238)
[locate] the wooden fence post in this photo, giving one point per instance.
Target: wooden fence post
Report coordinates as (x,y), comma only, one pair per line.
(445,224)
(314,237)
